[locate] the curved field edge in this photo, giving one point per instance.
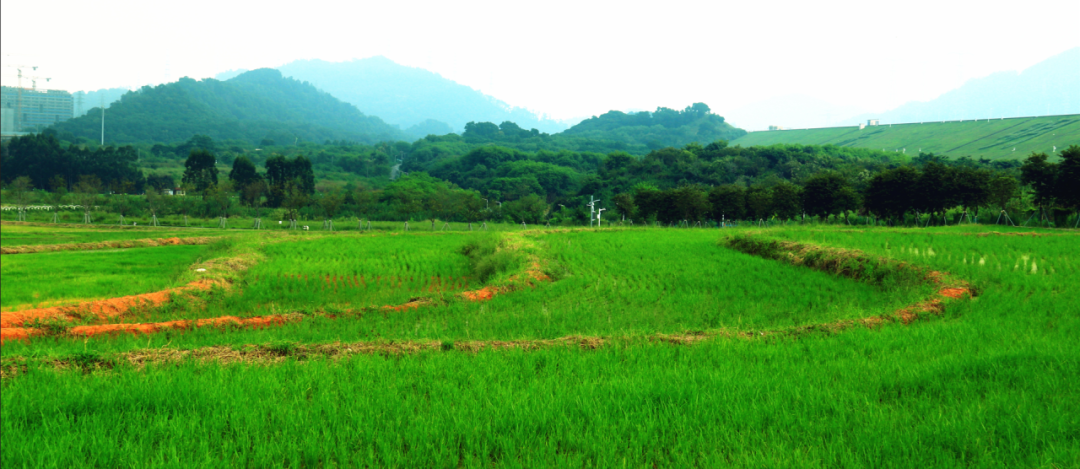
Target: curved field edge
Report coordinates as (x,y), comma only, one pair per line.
(848,263)
(123,244)
(222,273)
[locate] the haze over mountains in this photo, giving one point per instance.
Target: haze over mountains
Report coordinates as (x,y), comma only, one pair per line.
(1051,87)
(398,102)
(409,96)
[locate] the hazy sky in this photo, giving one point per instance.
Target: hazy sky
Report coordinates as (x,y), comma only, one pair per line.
(566,59)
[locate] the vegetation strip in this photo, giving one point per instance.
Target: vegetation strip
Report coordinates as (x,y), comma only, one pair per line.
(135,243)
(112,308)
(278,352)
(849,263)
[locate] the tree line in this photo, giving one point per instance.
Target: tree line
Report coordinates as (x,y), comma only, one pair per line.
(695,182)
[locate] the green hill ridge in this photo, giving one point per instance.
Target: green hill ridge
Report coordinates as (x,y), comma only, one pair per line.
(255,106)
(993,139)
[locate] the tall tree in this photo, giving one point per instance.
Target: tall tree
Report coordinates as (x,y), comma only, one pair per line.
(691,203)
(824,194)
(1068,178)
(200,171)
(728,202)
(935,189)
(243,172)
(624,204)
(891,193)
(786,200)
(758,202)
(1041,176)
(1003,189)
(972,187)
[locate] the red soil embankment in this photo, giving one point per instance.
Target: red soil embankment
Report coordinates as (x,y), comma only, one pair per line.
(115,307)
(102,309)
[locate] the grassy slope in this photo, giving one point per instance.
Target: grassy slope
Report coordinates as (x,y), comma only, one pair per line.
(994,139)
(992,384)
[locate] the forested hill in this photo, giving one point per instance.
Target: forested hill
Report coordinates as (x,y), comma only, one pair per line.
(408,96)
(637,133)
(256,106)
(663,128)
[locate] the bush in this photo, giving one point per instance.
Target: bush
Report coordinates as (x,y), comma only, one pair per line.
(489,256)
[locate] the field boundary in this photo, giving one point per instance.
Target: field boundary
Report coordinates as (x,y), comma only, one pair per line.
(271,353)
(122,244)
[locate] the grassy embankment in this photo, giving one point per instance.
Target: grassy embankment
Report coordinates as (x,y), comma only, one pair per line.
(992,383)
(994,139)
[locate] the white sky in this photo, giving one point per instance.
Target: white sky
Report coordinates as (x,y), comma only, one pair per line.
(562,58)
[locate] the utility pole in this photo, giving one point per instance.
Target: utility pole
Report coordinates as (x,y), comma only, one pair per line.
(102,119)
(592,209)
(598,214)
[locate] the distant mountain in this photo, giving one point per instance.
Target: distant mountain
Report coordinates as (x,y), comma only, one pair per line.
(1051,87)
(255,105)
(408,96)
(87,100)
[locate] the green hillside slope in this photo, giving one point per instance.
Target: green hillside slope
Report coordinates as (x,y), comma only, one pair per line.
(257,105)
(993,139)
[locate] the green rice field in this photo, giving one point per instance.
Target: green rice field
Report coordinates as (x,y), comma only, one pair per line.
(653,347)
(23,235)
(56,278)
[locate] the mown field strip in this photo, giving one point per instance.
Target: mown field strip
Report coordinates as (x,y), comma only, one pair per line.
(134,243)
(275,353)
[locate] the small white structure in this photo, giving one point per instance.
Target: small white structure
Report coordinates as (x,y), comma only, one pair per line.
(872,122)
(776,127)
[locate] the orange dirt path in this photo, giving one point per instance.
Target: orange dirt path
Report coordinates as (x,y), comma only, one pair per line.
(103,309)
(11,331)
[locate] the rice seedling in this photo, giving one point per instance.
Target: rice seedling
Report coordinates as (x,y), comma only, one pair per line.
(989,384)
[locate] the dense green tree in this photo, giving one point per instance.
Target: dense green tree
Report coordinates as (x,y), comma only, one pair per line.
(1068,178)
(891,193)
(281,172)
(1003,189)
(529,209)
(160,182)
(826,194)
(1041,176)
(758,202)
(935,189)
(200,170)
(728,202)
(624,205)
(243,172)
(649,201)
(971,187)
(786,200)
(690,203)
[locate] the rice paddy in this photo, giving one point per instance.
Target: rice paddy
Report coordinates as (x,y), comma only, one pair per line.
(590,348)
